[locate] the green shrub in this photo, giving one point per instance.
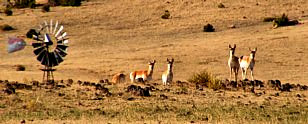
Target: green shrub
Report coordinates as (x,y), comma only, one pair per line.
(206,79)
(25,3)
(6,27)
(284,21)
(8,11)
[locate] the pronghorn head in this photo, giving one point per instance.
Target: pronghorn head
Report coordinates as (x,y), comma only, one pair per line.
(253,52)
(232,49)
(170,63)
(151,64)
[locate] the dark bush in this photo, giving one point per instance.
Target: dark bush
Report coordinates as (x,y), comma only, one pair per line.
(220,5)
(46,8)
(20,68)
(284,21)
(8,11)
(166,15)
(208,28)
(6,27)
(65,2)
(25,3)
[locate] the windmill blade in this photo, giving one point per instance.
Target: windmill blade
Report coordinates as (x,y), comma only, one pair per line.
(52,61)
(35,45)
(62,47)
(65,41)
(61,52)
(50,27)
(61,41)
(58,57)
(41,55)
(54,31)
(62,36)
(61,28)
(44,60)
(39,50)
(37,38)
(46,25)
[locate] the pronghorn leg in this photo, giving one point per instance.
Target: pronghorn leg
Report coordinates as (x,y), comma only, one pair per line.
(243,72)
(251,72)
(235,74)
(230,74)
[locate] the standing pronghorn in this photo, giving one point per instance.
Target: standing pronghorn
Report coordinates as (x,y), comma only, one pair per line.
(233,63)
(248,62)
(145,75)
(167,76)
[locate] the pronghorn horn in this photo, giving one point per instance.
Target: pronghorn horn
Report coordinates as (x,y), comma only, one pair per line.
(172,60)
(256,49)
(249,49)
(154,61)
(230,46)
(167,60)
(234,46)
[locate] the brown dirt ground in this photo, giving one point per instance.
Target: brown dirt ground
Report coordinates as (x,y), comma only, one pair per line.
(107,37)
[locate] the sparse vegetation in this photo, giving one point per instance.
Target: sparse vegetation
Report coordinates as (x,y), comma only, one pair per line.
(8,11)
(283,21)
(206,79)
(166,15)
(220,5)
(65,2)
(46,8)
(6,27)
(20,68)
(24,3)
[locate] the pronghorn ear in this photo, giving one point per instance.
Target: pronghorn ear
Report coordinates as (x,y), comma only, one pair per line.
(234,46)
(256,49)
(249,49)
(230,46)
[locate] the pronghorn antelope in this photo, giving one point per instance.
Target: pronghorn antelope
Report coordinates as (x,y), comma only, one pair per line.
(248,62)
(145,75)
(118,78)
(168,74)
(233,62)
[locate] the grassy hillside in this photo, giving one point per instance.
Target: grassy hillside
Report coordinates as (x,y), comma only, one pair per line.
(111,36)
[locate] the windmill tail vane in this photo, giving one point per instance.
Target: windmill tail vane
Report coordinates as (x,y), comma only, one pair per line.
(15,44)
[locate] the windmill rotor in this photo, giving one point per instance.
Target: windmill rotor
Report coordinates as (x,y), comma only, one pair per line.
(50,46)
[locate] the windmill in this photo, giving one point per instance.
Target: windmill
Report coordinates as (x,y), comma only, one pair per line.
(50,47)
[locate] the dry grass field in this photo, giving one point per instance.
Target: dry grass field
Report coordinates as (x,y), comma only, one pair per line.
(111,36)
